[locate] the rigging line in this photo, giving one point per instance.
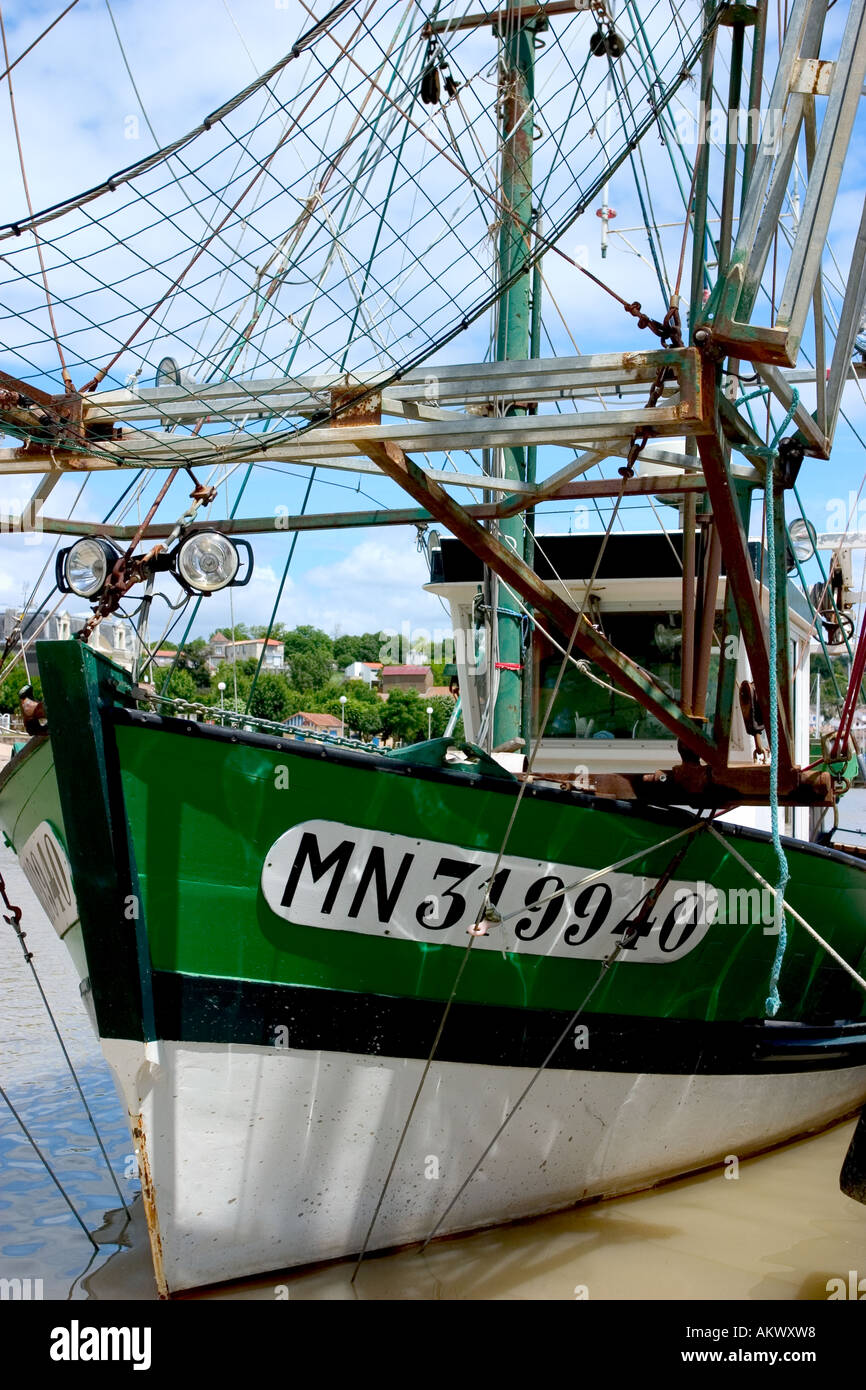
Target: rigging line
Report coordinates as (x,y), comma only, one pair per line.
(552,297)
(381,222)
(649,218)
(498,203)
(546,332)
(448,336)
(138,97)
(193,174)
(649,900)
(605,966)
(67,380)
(306,215)
(14,921)
(202,247)
(53,588)
(642,854)
(280,588)
(201,597)
(132,171)
(579,618)
(54,1178)
(31,600)
(744,863)
(25,646)
(31,46)
(443,339)
(404,1131)
(115,289)
(129,74)
(335,242)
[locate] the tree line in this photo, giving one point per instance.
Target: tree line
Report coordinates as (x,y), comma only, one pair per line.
(313,682)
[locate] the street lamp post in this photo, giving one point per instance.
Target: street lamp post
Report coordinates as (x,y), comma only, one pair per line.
(221,687)
(343,699)
(429,721)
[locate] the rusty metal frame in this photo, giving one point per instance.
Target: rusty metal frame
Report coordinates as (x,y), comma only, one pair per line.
(524,581)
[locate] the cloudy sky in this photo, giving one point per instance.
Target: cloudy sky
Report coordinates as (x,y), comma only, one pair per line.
(80,117)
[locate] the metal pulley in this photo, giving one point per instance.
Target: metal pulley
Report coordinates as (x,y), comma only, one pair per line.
(753,718)
(430,91)
(828,600)
(606,43)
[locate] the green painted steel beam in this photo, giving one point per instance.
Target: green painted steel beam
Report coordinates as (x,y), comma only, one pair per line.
(513,339)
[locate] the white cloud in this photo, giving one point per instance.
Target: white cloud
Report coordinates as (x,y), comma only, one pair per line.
(377,584)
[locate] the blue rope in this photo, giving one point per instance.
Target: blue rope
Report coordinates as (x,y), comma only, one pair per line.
(773,1001)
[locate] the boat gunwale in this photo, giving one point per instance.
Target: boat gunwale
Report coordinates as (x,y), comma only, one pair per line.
(666,816)
(16,760)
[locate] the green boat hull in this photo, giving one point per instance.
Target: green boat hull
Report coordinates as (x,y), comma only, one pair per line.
(248,902)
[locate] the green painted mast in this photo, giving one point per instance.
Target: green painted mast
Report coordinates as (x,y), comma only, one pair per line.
(513,339)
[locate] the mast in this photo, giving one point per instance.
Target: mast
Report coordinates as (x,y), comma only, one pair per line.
(514,334)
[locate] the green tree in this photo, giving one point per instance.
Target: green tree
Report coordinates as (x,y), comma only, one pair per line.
(443,708)
(364,718)
(310,655)
(404,716)
(183,687)
(272,697)
(10,686)
(194,658)
(310,670)
(831,702)
(226,672)
(364,646)
(358,690)
(346,650)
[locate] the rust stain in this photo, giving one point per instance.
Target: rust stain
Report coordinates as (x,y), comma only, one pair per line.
(633,361)
(357,405)
(148,1196)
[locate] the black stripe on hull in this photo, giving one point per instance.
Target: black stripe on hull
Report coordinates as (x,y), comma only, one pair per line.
(204,1009)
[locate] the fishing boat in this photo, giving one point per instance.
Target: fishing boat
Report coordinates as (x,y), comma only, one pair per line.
(355,998)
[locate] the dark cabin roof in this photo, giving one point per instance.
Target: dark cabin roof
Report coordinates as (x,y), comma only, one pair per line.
(628,555)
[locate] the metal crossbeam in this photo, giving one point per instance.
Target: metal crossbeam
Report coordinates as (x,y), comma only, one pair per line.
(161,449)
(466,384)
(539,596)
(741,579)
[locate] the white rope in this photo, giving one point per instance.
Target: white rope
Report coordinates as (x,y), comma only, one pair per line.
(789,909)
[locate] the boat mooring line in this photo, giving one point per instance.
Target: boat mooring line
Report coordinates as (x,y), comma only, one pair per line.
(649,901)
(51,1171)
(609,869)
(14,921)
(427,1065)
(605,966)
(788,908)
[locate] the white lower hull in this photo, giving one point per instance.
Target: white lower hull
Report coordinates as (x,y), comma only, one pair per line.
(260,1158)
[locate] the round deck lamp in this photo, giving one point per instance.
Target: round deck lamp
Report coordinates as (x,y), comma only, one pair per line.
(83,568)
(207,561)
(803,538)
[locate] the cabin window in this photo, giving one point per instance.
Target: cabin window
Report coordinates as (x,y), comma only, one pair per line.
(585,709)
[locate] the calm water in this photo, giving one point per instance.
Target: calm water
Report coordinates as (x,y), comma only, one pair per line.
(780,1231)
